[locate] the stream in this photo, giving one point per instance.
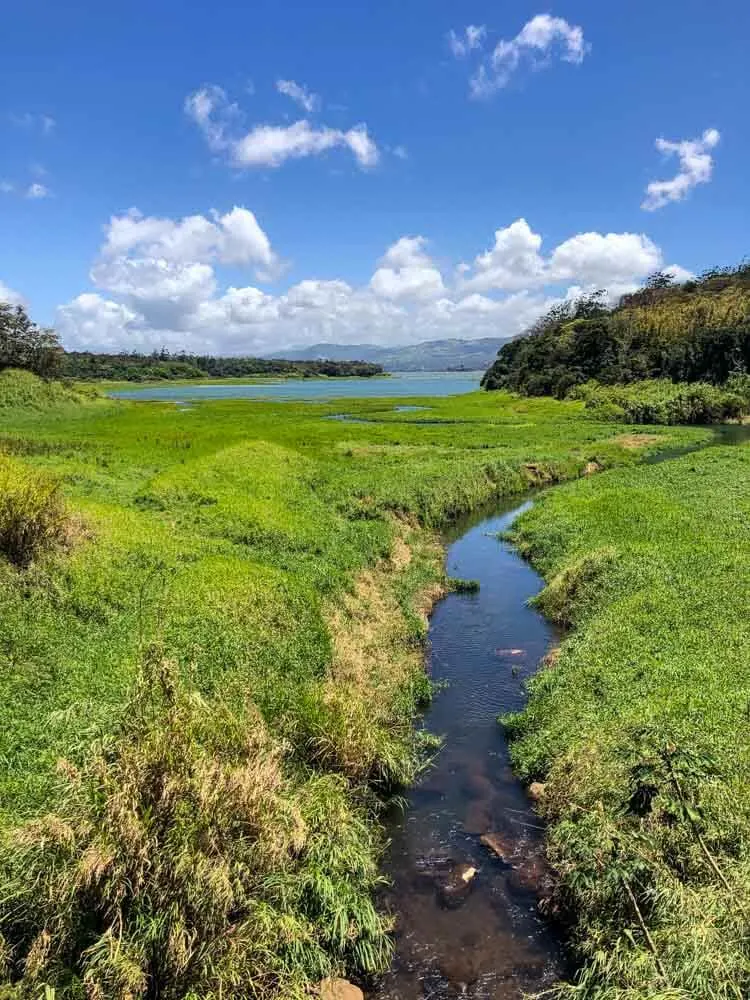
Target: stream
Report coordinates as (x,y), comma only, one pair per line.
(461,933)
(466,860)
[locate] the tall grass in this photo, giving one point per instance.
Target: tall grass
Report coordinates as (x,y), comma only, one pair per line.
(660,401)
(640,729)
(32,514)
(186,858)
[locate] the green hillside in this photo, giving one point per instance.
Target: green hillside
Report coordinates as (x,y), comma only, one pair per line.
(695,331)
(429,356)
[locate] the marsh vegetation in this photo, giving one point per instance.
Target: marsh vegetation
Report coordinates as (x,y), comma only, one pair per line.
(209,686)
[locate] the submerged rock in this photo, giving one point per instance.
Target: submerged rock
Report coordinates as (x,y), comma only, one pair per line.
(453,890)
(340,989)
(498,845)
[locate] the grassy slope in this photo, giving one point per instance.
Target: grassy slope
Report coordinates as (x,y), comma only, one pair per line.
(276,557)
(222,527)
(640,728)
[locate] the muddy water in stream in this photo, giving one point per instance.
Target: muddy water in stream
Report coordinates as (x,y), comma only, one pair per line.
(483,936)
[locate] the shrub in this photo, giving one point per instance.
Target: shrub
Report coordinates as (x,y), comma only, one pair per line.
(32,515)
(662,402)
(186,858)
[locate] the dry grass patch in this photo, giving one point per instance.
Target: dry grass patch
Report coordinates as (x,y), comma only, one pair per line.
(376,676)
(634,441)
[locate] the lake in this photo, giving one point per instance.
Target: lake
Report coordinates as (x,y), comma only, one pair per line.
(398,384)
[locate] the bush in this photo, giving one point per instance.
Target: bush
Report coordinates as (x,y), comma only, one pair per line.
(187,859)
(32,515)
(661,402)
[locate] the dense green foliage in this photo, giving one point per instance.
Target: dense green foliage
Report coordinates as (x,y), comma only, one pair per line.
(226,661)
(25,345)
(640,727)
(162,365)
(663,402)
(690,332)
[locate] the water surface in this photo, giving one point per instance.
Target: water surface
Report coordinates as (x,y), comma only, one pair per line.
(397,384)
(494,944)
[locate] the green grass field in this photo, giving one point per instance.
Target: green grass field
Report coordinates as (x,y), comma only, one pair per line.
(641,727)
(209,686)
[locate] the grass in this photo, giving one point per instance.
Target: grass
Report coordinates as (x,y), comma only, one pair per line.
(640,728)
(228,664)
(32,515)
(659,401)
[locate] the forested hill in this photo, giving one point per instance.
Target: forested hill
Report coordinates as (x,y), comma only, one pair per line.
(429,356)
(695,331)
(163,365)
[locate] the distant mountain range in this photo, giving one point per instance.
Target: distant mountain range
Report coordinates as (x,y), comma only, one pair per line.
(430,356)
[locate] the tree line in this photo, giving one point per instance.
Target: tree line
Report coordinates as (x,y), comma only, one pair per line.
(694,331)
(25,345)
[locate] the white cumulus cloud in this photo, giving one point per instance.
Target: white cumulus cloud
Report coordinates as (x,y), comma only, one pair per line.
(616,262)
(406,271)
(696,167)
(271,145)
(233,238)
(538,41)
(158,282)
(299,93)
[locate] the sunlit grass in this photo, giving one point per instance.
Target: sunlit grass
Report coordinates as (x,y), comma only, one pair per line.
(281,562)
(642,728)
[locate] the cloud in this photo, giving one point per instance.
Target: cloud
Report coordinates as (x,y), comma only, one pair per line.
(233,238)
(298,93)
(538,41)
(162,269)
(513,262)
(41,123)
(158,283)
(271,145)
(6,187)
(696,167)
(471,38)
(407,272)
(37,191)
(614,261)
(604,260)
(9,295)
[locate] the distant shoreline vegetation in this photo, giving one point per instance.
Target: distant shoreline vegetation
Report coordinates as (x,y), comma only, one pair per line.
(163,366)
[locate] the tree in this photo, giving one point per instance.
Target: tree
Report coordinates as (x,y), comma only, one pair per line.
(23,344)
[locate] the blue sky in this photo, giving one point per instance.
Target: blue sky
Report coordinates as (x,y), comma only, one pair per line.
(419,147)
